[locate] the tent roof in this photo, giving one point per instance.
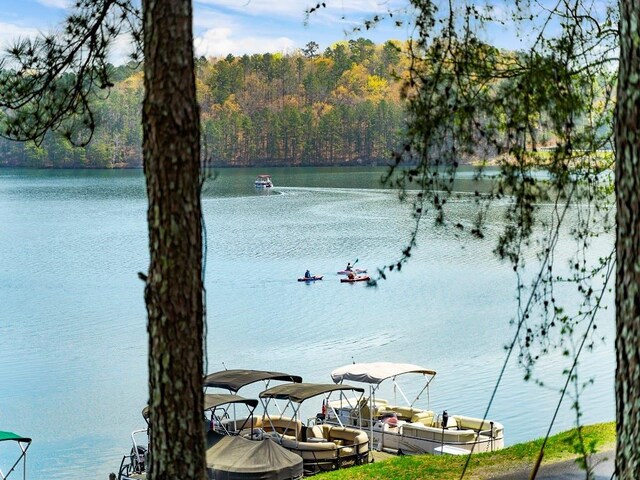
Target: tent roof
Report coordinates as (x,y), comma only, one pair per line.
(375,372)
(12,436)
(234,380)
(239,458)
(213,400)
(299,392)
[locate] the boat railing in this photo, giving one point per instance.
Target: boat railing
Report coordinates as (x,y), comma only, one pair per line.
(135,463)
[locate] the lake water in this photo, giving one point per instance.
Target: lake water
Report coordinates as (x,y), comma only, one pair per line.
(72,315)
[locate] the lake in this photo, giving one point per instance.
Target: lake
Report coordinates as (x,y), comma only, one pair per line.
(73,366)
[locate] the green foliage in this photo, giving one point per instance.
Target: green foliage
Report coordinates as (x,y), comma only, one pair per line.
(469,102)
(49,83)
(483,465)
(341,108)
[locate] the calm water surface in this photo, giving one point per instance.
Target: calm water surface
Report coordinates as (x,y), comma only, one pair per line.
(72,316)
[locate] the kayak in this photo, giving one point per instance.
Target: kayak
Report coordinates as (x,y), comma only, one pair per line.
(310,279)
(357,278)
(355,270)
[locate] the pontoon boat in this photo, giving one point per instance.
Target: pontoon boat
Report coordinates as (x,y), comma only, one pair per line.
(406,428)
(263,181)
(323,447)
(217,417)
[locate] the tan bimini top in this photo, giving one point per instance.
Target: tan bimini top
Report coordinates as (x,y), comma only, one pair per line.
(375,372)
(299,392)
(234,380)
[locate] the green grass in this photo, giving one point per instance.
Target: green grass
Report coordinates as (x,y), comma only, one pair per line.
(598,437)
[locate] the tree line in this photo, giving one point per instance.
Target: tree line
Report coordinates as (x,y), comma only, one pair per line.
(342,106)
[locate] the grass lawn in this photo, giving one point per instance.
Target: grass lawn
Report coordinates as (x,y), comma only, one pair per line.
(562,446)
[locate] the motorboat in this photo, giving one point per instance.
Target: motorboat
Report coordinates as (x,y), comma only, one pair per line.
(322,446)
(405,428)
(22,444)
(263,181)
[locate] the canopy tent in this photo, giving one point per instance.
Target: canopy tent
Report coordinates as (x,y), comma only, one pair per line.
(376,372)
(299,392)
(236,458)
(23,443)
(234,380)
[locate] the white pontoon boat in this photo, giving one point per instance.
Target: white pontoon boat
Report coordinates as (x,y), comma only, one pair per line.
(405,428)
(263,181)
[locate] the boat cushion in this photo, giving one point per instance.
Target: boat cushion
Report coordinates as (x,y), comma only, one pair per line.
(425,418)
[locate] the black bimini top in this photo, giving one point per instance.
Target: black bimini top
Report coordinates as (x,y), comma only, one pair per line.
(234,380)
(299,392)
(214,400)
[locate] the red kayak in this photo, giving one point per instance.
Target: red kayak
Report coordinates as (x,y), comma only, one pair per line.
(310,279)
(357,278)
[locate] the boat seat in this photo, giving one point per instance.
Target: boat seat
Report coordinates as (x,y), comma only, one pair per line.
(315,433)
(424,418)
(345,451)
(363,405)
(404,413)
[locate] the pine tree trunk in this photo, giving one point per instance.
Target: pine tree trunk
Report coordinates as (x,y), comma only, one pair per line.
(628,245)
(171,151)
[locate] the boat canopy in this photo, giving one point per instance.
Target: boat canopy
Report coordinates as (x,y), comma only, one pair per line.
(12,436)
(299,392)
(242,459)
(234,380)
(376,372)
(214,400)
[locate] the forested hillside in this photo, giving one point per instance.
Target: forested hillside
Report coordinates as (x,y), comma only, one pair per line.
(339,107)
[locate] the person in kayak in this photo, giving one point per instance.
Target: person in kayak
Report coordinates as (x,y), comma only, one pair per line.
(351,275)
(307,274)
(349,267)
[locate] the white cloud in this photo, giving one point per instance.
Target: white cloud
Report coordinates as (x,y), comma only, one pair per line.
(219,42)
(9,33)
(56,3)
(121,49)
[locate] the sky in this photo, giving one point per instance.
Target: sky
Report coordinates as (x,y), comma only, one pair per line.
(230,26)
